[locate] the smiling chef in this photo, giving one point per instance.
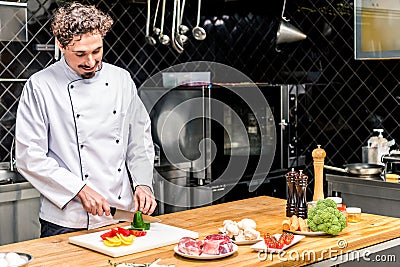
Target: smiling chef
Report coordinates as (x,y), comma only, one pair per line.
(83,136)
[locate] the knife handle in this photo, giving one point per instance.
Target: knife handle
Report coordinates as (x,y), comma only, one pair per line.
(113,210)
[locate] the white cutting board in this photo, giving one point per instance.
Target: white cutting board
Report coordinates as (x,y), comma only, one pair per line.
(159,235)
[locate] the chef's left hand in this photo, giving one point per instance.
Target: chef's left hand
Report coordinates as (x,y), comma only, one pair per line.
(144,199)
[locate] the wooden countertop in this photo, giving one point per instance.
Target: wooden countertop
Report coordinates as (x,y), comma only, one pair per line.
(268,212)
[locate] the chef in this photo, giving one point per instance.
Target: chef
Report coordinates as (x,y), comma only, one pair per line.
(83,136)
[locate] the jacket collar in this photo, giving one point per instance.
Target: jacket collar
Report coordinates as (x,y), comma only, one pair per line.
(74,76)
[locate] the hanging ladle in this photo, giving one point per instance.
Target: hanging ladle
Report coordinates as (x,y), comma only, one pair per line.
(156,30)
(198,32)
(176,44)
(149,39)
(164,39)
(183,38)
(182,28)
(179,37)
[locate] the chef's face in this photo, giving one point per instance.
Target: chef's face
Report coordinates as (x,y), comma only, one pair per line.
(84,54)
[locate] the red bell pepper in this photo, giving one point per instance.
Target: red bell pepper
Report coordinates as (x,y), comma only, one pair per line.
(123,231)
(109,234)
(137,233)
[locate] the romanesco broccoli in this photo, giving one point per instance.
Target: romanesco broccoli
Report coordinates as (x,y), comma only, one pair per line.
(325,217)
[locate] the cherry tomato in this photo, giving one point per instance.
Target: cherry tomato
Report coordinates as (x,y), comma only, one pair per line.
(279,244)
(270,241)
(281,241)
(288,238)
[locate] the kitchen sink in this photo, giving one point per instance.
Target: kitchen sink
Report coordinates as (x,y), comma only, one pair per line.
(10,177)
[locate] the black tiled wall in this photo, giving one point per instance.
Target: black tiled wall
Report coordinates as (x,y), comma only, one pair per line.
(344,99)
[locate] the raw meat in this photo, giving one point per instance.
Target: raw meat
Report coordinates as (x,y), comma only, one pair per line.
(190,246)
(217,244)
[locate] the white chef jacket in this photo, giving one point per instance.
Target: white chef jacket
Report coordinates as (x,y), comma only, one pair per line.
(72,132)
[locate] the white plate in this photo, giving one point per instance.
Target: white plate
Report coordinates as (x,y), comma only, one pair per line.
(206,256)
(246,242)
(307,233)
(262,246)
(27,258)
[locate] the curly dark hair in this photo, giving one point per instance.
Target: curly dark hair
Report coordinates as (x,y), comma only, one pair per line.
(77,19)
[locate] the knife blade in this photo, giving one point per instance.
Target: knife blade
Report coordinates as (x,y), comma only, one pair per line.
(127,216)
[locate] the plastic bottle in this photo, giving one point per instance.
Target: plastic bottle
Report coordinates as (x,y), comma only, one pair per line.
(376,146)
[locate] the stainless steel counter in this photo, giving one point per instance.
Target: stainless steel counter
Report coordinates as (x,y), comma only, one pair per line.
(19,209)
(372,196)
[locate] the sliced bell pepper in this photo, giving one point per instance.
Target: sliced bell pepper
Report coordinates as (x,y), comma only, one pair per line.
(109,234)
(137,233)
(113,241)
(126,240)
(123,231)
(146,225)
(110,244)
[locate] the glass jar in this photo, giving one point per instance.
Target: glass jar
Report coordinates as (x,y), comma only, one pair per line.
(353,214)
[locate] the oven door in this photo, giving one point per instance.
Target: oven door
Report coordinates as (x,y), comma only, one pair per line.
(178,125)
(246,135)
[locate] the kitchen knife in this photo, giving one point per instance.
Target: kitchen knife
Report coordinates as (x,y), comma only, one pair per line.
(127,216)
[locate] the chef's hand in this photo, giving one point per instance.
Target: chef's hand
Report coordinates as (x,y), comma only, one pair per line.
(93,202)
(144,199)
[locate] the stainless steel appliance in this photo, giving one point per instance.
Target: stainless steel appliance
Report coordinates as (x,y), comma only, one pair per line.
(392,165)
(213,141)
(19,209)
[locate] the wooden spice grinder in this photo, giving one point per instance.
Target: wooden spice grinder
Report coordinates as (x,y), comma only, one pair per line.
(318,155)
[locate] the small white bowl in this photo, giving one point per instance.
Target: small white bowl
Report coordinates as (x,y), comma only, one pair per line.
(26,258)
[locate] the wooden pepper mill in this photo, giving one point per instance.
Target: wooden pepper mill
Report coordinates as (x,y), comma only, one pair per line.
(318,155)
(301,191)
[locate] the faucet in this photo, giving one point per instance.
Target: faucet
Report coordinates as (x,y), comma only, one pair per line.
(12,160)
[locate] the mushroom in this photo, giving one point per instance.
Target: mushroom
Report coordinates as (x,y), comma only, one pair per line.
(231,229)
(240,236)
(251,234)
(247,223)
(228,221)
